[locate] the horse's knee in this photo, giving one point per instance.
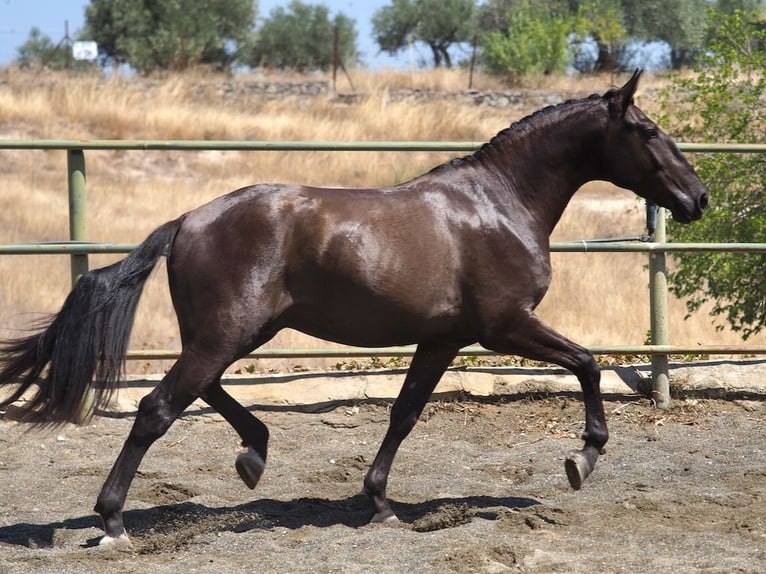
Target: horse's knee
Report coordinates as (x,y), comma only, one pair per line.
(586,368)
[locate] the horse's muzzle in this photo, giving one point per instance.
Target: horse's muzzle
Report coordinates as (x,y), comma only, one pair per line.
(688,211)
(702,202)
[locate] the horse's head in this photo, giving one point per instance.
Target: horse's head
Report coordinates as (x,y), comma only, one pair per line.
(639,156)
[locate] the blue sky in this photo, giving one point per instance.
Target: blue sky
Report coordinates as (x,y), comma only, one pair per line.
(17,17)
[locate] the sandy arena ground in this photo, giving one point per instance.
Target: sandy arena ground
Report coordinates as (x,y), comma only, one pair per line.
(479,486)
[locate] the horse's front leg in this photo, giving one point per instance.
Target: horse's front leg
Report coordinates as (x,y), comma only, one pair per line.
(534,340)
(427,367)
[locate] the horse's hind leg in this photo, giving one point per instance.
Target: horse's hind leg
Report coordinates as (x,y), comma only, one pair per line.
(428,365)
(156,413)
(255,436)
(535,340)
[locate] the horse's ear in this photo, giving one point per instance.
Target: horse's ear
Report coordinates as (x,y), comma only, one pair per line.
(621,99)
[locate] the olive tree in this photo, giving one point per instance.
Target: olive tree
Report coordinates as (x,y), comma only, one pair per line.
(302,36)
(173,34)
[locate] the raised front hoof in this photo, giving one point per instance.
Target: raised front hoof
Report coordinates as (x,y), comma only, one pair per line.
(578,467)
(121,542)
(250,467)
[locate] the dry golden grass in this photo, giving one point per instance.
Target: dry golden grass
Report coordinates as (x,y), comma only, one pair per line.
(594,299)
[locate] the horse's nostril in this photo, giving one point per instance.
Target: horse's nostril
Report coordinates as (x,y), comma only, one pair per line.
(703,201)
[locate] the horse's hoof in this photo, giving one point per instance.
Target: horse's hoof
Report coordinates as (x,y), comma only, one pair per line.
(250,467)
(121,542)
(578,467)
(383,518)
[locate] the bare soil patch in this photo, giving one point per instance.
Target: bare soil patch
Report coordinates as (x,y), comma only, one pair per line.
(479,486)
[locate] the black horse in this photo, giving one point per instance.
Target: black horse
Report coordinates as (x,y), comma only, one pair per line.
(456,256)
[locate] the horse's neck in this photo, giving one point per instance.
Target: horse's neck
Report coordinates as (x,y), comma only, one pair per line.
(547,160)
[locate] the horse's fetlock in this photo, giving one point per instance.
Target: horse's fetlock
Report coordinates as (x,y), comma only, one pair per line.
(106,505)
(596,438)
(374,482)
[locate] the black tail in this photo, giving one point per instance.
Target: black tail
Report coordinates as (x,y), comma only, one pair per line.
(86,341)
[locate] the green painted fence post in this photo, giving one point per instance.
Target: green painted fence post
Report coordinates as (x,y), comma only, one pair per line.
(658,308)
(78,231)
(78,228)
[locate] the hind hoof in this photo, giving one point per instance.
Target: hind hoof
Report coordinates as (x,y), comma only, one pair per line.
(121,542)
(578,467)
(384,518)
(250,467)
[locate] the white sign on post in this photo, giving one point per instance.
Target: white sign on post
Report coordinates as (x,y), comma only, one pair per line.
(85,51)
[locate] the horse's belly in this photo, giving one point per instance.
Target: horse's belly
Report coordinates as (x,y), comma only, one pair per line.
(377,324)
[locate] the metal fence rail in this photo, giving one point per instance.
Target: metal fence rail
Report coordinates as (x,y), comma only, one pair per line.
(585,246)
(294,145)
(79,247)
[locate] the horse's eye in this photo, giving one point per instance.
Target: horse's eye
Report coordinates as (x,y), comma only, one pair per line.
(649,133)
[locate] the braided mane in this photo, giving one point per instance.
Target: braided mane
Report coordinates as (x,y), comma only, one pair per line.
(518,128)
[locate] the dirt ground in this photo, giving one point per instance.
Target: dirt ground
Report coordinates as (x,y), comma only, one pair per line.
(479,486)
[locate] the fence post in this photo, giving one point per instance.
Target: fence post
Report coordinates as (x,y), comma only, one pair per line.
(658,308)
(78,230)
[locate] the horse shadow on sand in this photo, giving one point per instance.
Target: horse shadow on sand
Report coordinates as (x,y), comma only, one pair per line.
(188,519)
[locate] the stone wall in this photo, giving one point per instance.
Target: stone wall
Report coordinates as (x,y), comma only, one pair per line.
(260,89)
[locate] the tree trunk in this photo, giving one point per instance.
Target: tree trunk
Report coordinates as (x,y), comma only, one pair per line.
(607,59)
(437,55)
(446,57)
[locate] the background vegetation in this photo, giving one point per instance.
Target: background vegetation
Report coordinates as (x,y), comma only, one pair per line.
(724,100)
(509,38)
